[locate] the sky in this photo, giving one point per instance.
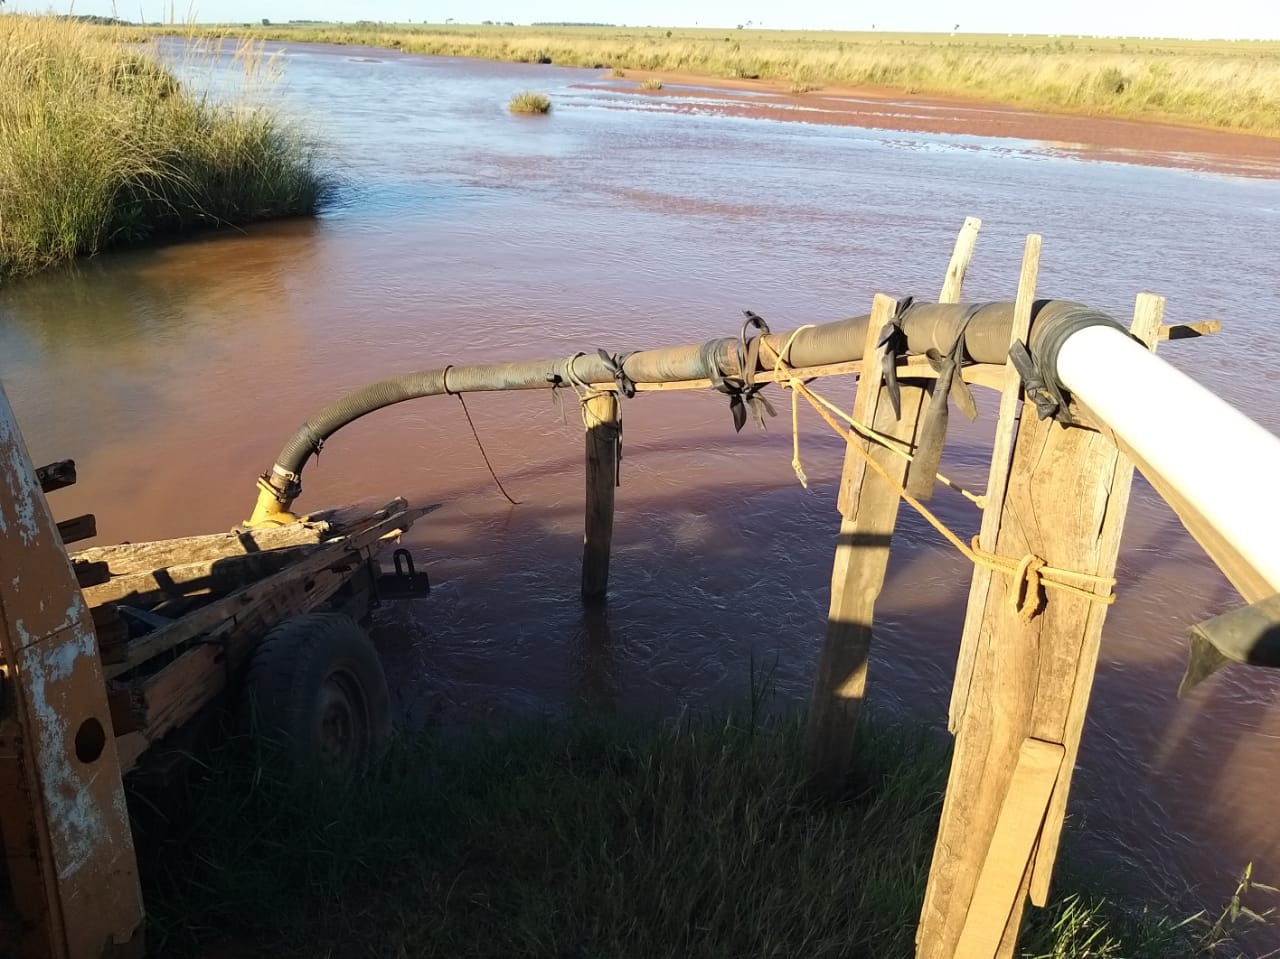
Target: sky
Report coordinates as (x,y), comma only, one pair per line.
(1255,19)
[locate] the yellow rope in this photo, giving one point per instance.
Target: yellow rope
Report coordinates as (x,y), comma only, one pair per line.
(1030,573)
(779,364)
(893,444)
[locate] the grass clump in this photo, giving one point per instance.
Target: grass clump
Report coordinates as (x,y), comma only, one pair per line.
(530,102)
(102,147)
(617,72)
(653,83)
(588,838)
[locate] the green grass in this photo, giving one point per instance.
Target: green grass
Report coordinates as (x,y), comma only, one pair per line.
(101,147)
(1227,84)
(530,102)
(597,839)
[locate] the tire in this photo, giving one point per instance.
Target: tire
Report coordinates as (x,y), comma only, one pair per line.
(316,700)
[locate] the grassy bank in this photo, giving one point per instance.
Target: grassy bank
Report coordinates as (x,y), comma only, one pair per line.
(592,839)
(1230,85)
(102,147)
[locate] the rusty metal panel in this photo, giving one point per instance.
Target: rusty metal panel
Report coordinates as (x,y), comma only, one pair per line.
(63,823)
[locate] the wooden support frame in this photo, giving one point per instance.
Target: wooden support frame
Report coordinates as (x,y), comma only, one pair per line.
(869,512)
(602,417)
(64,831)
(1017,682)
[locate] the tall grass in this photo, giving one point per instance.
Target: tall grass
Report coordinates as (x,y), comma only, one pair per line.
(101,147)
(593,838)
(1232,85)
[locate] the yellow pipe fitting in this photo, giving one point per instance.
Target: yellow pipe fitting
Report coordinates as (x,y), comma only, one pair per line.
(270,510)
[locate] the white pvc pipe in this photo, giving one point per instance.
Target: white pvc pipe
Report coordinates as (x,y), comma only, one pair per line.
(1217,458)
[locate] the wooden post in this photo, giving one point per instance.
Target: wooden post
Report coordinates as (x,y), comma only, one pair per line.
(1020,704)
(998,476)
(869,512)
(604,426)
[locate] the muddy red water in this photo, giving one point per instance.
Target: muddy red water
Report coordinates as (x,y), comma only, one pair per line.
(467,234)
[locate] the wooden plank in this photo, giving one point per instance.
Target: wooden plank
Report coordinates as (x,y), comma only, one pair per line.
(966,241)
(192,579)
(344,553)
(1185,331)
(857,574)
(127,558)
(57,475)
(1147,317)
(997,476)
(1021,816)
(157,705)
(1064,502)
(111,630)
(869,513)
(77,528)
(603,432)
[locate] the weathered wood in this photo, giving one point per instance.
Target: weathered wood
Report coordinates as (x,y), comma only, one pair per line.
(966,241)
(192,579)
(1019,822)
(112,631)
(127,558)
(1186,331)
(1147,317)
(57,475)
(857,574)
(997,476)
(603,431)
(265,595)
(158,704)
(869,512)
(77,528)
(1064,502)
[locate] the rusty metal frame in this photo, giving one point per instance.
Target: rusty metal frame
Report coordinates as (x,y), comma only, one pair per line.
(64,829)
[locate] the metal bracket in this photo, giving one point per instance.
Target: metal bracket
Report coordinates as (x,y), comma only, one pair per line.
(406,582)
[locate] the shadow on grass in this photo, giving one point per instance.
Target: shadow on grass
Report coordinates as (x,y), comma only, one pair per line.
(586,837)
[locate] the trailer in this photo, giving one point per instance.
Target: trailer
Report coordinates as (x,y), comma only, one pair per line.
(113,659)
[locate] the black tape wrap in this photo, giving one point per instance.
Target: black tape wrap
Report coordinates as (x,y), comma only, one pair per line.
(1055,322)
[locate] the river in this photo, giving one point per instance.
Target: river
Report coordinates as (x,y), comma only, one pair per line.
(464,233)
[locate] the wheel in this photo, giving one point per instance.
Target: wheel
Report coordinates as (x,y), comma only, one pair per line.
(316,699)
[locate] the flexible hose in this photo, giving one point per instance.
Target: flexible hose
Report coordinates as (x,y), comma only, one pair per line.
(926,326)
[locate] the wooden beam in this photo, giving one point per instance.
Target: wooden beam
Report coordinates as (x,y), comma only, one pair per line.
(129,558)
(1065,502)
(1186,331)
(57,475)
(1019,823)
(603,432)
(857,573)
(342,555)
(156,705)
(997,475)
(1147,316)
(77,528)
(869,512)
(192,579)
